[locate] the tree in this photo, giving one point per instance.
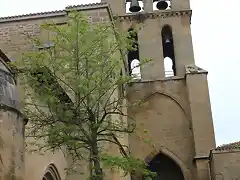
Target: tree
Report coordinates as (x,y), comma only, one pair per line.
(74,93)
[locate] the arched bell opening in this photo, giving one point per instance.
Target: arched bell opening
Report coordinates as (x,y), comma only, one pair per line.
(161,5)
(165,168)
(134,6)
(133,55)
(168,50)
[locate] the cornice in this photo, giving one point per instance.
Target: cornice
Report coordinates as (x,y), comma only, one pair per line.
(51,14)
(141,16)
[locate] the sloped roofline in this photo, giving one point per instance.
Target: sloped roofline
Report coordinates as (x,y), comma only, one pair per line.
(60,13)
(55,13)
(229,146)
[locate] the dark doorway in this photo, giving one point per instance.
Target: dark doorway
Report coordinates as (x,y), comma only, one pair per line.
(165,168)
(48,176)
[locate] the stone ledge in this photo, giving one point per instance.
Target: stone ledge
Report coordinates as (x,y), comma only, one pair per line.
(199,157)
(172,78)
(193,69)
(141,16)
(220,151)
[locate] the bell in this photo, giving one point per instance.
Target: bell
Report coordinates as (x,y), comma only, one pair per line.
(162,4)
(167,40)
(134,6)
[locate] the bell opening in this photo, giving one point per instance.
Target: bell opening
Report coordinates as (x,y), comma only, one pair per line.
(134,6)
(161,4)
(168,51)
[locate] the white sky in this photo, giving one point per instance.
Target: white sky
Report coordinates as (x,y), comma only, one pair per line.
(215,31)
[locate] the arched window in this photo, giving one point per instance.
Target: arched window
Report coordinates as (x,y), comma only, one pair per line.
(168,50)
(165,168)
(51,173)
(133,55)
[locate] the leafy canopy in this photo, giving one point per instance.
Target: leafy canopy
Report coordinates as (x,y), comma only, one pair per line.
(74,91)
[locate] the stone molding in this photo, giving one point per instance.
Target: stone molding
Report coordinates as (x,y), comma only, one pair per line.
(153,15)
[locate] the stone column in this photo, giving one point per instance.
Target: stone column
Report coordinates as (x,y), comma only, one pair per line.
(201,117)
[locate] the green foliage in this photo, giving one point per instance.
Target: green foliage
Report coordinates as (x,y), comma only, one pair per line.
(71,90)
(128,164)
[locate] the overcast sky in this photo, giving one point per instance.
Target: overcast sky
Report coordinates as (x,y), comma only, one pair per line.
(215,31)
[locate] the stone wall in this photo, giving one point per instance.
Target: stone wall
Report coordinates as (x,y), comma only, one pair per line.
(11,128)
(14,42)
(13,31)
(225,164)
(164,120)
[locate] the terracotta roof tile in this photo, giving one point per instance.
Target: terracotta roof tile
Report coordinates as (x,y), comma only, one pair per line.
(33,14)
(86,5)
(234,145)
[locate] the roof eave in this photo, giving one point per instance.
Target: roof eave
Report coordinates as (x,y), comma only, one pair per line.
(57,13)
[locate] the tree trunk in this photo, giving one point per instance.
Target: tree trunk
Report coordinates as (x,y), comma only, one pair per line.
(98,174)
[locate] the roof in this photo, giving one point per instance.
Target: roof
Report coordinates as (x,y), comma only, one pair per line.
(53,13)
(230,146)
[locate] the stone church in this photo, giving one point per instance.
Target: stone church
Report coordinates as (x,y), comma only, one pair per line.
(178,113)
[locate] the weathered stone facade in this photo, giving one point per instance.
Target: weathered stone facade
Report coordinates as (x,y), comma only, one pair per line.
(176,114)
(12,124)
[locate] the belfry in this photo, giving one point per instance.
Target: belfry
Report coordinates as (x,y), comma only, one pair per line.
(176,116)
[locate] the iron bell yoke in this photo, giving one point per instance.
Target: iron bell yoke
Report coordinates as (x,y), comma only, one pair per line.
(161,4)
(134,6)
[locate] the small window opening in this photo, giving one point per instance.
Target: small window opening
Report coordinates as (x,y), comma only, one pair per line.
(128,5)
(168,51)
(135,68)
(166,4)
(133,56)
(168,67)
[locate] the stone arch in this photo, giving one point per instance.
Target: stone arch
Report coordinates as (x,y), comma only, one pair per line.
(185,171)
(51,173)
(169,96)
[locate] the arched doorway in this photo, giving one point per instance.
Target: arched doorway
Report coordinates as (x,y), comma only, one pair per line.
(165,168)
(51,173)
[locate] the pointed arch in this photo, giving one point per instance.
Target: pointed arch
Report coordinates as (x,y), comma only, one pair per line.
(167,95)
(51,173)
(173,157)
(168,50)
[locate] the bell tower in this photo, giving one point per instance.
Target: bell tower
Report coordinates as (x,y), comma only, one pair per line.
(177,114)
